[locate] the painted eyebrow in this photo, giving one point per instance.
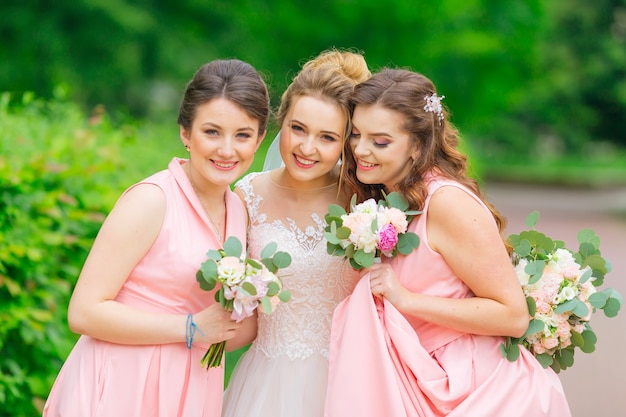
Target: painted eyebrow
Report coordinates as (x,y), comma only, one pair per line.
(387,135)
(325,132)
(216,126)
(330,132)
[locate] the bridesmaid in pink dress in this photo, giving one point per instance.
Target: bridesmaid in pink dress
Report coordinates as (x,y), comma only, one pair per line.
(143,319)
(427,342)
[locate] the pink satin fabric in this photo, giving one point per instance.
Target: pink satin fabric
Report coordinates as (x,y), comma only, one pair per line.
(384,364)
(102,379)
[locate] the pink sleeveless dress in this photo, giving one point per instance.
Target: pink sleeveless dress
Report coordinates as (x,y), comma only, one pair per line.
(385,364)
(106,379)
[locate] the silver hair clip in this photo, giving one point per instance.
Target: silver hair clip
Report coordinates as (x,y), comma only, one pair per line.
(433,105)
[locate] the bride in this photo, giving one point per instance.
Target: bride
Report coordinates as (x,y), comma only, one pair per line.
(284,373)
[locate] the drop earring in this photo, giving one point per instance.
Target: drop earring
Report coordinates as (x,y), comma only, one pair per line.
(187,147)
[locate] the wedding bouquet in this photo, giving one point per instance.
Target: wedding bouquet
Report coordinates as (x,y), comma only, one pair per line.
(244,284)
(370,230)
(560,288)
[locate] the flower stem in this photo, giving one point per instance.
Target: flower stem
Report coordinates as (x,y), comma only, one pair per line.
(213,356)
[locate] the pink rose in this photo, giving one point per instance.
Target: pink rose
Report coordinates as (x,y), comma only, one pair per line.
(397,218)
(543,307)
(563,329)
(550,342)
(387,239)
(357,221)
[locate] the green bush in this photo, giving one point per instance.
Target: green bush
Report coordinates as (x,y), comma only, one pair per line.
(61,171)
(60,174)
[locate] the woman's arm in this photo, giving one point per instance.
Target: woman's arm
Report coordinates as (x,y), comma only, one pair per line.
(124,238)
(464,233)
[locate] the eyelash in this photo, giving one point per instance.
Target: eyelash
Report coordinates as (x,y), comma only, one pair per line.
(300,129)
(353,136)
(214,132)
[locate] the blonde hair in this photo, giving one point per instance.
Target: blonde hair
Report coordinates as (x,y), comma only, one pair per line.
(330,76)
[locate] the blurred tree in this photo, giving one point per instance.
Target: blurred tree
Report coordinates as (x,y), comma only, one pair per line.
(575,95)
(509,71)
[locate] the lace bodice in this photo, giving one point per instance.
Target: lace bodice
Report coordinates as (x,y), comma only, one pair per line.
(316,280)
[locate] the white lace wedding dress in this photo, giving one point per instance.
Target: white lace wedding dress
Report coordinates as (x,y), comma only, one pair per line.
(284,372)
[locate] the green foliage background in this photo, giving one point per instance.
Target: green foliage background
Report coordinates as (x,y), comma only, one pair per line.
(537,88)
(528,77)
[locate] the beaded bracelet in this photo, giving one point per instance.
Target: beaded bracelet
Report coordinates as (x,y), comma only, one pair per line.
(190,330)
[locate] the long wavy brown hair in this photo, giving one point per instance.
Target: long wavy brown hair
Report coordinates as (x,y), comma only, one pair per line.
(404,91)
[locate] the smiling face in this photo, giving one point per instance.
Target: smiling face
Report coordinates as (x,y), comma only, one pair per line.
(222,141)
(383,150)
(311,141)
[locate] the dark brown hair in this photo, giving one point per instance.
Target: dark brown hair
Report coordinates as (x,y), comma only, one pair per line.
(232,79)
(436,140)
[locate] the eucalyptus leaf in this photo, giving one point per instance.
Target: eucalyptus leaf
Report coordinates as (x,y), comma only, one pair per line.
(612,307)
(614,294)
(535,326)
(353,201)
(364,259)
(269,264)
(523,248)
(532,305)
(513,240)
(544,359)
(214,254)
(585,276)
(568,305)
(284,296)
(249,288)
(332,238)
(598,299)
(266,304)
(589,236)
(513,352)
(343,232)
(504,351)
(581,309)
(407,242)
(587,249)
(336,210)
(535,270)
(532,219)
(354,264)
(207,284)
(272,289)
(577,339)
(282,259)
(209,269)
(220,298)
(335,249)
(597,263)
(269,250)
(374,224)
(590,341)
(253,263)
(233,247)
(565,357)
(333,223)
(397,200)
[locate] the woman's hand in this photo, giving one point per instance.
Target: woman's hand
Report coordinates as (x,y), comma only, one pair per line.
(215,324)
(385,283)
